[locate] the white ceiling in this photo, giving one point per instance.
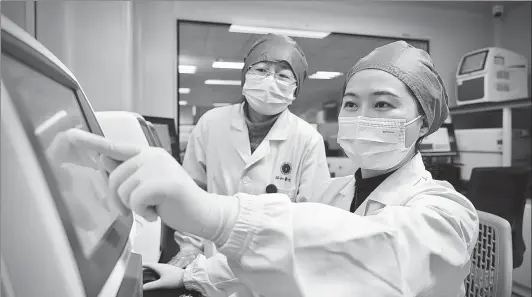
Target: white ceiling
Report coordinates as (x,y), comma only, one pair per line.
(200,44)
(479,7)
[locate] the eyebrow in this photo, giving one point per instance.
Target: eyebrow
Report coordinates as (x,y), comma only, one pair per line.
(374,93)
(384,93)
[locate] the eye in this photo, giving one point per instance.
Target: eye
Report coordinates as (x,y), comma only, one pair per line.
(260,69)
(349,104)
(383,104)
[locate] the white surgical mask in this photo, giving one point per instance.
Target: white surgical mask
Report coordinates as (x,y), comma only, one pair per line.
(266,96)
(377,144)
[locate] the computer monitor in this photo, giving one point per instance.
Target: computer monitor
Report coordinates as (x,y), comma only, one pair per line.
(62,233)
(440,143)
(147,132)
(167,134)
(153,131)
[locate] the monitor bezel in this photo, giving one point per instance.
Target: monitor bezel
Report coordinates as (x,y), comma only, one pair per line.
(158,142)
(95,269)
(474,70)
(171,129)
(147,132)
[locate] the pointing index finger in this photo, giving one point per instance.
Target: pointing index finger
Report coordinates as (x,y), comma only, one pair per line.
(98,144)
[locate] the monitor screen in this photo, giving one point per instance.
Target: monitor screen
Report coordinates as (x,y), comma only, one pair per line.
(155,136)
(474,62)
(164,135)
(441,142)
(147,133)
(82,185)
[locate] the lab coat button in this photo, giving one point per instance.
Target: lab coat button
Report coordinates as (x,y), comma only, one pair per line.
(246,180)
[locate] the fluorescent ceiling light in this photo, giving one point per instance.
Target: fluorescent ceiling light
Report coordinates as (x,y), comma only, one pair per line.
(220,104)
(184,90)
(222,82)
(325,75)
(286,32)
(189,69)
(228,65)
(183,103)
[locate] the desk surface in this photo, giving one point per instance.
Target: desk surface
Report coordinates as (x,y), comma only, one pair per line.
(488,106)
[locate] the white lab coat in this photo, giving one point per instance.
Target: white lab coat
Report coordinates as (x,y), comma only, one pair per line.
(292,157)
(412,236)
(219,155)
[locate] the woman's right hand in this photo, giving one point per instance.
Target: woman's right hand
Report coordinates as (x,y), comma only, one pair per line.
(170,277)
(149,181)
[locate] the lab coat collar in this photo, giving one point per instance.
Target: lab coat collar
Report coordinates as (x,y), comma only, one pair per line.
(348,190)
(387,193)
(400,182)
(240,137)
(279,130)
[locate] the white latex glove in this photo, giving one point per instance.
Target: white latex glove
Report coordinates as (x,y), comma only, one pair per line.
(151,182)
(187,254)
(74,170)
(171,277)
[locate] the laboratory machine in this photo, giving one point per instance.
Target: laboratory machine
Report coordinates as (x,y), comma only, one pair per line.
(439,151)
(62,235)
(491,75)
(484,148)
(131,128)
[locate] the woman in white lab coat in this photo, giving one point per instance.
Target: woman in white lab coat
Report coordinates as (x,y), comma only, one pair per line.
(257,146)
(409,235)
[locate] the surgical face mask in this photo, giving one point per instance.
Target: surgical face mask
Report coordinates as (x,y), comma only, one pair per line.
(266,95)
(373,143)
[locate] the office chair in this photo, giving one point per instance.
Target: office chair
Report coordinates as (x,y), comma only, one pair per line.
(491,260)
(502,191)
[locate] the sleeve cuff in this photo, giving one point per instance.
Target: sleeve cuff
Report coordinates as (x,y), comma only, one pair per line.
(253,211)
(188,278)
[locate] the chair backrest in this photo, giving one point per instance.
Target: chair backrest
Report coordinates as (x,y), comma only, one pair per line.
(502,191)
(491,260)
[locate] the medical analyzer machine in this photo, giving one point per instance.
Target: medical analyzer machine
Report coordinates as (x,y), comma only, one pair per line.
(131,128)
(62,234)
(491,75)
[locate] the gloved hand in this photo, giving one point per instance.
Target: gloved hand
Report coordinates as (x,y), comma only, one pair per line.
(171,277)
(189,248)
(151,182)
(184,257)
(75,172)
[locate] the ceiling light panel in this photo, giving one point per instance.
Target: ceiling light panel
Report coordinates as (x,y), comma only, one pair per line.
(222,82)
(228,65)
(325,75)
(287,32)
(187,69)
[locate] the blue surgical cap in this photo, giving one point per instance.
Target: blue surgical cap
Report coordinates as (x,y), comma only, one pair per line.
(277,48)
(415,68)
